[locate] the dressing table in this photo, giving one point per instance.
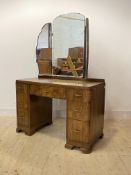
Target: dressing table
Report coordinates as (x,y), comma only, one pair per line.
(84,97)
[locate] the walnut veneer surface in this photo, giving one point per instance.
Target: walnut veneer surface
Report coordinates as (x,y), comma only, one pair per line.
(85,108)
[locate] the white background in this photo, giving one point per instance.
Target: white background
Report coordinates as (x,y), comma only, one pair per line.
(110,45)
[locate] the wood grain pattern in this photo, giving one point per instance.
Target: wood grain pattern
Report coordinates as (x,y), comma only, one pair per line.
(85,108)
(78,131)
(48,91)
(22,107)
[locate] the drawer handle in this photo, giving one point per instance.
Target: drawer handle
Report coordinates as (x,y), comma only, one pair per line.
(46,91)
(76,110)
(78,95)
(76,130)
(79,110)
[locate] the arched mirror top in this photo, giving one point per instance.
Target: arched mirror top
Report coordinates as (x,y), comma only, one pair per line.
(72,15)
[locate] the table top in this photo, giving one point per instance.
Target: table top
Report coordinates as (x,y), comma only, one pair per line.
(61,82)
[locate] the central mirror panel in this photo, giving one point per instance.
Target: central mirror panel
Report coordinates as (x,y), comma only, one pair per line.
(68,45)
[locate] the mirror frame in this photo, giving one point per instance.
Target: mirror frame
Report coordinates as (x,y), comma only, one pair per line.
(86,48)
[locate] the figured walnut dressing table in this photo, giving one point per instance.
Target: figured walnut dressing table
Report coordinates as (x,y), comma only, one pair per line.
(85,108)
(63,74)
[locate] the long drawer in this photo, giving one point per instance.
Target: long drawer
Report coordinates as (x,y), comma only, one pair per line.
(47,91)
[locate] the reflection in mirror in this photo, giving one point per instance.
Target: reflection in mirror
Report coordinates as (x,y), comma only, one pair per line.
(68,44)
(44,50)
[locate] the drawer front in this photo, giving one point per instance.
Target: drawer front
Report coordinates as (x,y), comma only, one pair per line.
(79,112)
(58,92)
(78,104)
(39,90)
(78,131)
(47,91)
(22,104)
(79,95)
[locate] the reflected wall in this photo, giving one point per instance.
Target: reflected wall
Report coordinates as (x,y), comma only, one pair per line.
(68,44)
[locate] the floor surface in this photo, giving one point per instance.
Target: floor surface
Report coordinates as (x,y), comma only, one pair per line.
(44,152)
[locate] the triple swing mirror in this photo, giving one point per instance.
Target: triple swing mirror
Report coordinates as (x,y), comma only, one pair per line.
(63,47)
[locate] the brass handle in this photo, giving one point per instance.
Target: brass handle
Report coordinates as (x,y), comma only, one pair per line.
(76,110)
(76,130)
(78,95)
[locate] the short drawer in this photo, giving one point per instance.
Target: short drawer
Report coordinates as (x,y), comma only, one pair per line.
(78,131)
(58,92)
(76,125)
(75,130)
(41,90)
(78,95)
(79,111)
